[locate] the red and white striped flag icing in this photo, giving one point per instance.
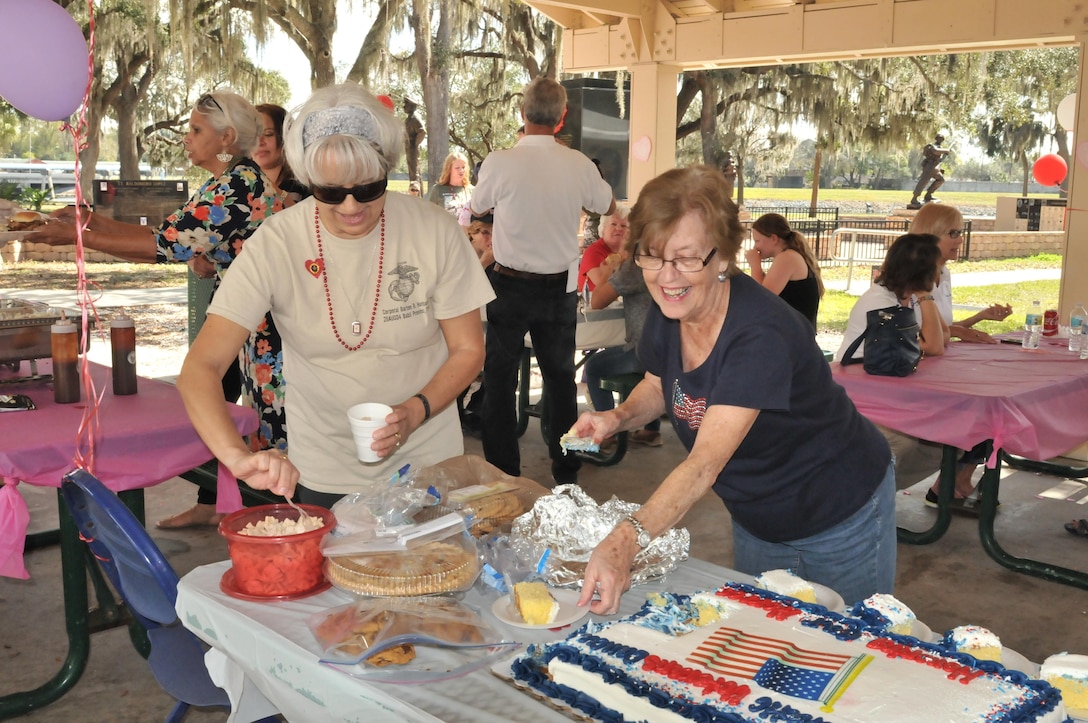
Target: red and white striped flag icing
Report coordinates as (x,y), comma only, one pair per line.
(686,408)
(779,665)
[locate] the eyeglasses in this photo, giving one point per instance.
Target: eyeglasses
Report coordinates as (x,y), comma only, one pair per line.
(956,233)
(335,195)
(208,99)
(683,264)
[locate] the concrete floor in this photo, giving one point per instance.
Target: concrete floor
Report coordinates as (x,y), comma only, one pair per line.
(948,583)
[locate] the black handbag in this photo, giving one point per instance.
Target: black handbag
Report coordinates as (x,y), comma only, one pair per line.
(891,343)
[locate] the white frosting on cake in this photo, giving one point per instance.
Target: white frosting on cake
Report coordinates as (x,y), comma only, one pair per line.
(785,582)
(973,636)
(900,617)
(835,669)
(1065,664)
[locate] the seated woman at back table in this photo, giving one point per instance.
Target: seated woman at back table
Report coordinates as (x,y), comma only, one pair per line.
(377,299)
(946,223)
(605,255)
(807,480)
(627,282)
(208,233)
(906,278)
(794,274)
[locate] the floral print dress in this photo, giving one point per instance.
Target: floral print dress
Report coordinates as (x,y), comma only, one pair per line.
(217,220)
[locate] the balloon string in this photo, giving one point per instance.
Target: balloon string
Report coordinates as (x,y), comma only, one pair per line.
(88,426)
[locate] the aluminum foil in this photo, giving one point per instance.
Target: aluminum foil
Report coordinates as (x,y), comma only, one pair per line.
(570,523)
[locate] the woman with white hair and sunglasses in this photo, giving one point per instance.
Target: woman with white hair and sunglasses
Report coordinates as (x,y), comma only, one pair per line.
(377,298)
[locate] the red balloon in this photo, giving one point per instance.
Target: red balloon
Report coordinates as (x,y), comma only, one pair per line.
(1050,169)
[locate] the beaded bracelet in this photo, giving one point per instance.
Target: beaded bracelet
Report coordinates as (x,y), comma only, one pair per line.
(426,406)
(926,297)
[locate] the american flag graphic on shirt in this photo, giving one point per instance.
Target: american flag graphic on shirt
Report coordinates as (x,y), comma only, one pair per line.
(688,409)
(779,665)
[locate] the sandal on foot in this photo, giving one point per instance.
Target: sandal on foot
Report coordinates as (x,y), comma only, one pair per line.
(192,517)
(1077,527)
(964,505)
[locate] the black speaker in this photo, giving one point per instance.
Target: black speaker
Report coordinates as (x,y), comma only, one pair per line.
(594,127)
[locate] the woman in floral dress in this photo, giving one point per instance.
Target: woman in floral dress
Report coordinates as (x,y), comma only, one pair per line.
(208,232)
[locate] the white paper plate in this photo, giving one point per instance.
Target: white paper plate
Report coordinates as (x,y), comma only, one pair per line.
(920,630)
(569,612)
(1015,661)
(828,598)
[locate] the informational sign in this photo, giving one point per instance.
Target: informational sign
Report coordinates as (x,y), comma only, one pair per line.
(146,203)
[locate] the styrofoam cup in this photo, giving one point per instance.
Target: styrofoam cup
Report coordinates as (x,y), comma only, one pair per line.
(364,419)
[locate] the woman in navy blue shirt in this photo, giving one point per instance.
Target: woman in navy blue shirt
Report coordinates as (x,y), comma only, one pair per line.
(808,481)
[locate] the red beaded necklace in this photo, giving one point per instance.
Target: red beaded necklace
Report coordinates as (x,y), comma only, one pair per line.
(356,327)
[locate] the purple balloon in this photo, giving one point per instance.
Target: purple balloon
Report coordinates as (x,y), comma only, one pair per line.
(43,59)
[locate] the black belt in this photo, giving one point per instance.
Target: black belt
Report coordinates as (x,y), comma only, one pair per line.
(528,275)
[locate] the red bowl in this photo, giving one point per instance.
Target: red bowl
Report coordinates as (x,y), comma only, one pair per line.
(275,567)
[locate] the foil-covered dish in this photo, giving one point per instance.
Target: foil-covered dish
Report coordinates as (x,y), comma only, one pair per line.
(570,524)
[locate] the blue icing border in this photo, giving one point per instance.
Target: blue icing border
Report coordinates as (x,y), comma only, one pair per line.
(531,668)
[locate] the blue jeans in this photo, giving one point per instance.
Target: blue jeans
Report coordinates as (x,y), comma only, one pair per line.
(856,558)
(611,362)
(550,314)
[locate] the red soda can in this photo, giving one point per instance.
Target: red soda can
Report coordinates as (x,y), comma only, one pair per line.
(1050,322)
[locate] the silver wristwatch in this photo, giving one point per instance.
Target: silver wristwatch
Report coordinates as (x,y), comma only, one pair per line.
(642,537)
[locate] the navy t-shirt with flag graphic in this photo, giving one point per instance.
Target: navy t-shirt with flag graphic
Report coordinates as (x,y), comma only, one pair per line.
(810,459)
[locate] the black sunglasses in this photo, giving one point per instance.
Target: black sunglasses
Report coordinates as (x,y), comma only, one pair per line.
(208,99)
(335,195)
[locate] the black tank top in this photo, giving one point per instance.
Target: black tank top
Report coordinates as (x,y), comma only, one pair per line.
(803,295)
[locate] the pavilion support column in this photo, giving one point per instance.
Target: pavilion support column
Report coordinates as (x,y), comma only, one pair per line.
(653,124)
(1074,284)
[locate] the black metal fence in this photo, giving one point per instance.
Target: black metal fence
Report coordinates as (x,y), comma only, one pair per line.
(848,246)
(796,213)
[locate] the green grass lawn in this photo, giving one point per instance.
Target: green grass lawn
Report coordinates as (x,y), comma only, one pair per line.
(829,196)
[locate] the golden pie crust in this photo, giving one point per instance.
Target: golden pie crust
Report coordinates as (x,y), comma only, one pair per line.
(435,567)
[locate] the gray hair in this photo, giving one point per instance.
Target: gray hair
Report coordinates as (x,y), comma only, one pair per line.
(226,110)
(543,102)
(342,136)
(622,211)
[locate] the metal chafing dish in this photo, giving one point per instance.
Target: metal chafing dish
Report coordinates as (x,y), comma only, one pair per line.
(25,331)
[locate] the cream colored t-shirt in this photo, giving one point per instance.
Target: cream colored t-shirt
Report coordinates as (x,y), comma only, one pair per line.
(428,272)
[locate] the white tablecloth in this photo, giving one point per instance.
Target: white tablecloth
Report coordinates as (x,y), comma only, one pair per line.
(266,653)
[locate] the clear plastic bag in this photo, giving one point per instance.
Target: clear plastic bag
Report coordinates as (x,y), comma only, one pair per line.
(484,495)
(443,560)
(407,640)
(383,512)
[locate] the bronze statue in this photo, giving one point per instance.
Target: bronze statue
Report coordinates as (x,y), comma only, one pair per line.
(932,155)
(413,136)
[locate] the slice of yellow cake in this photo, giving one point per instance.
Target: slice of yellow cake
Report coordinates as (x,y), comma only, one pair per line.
(535,603)
(785,582)
(1069,674)
(976,641)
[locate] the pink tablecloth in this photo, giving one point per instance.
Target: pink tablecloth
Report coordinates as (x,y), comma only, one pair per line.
(141,440)
(1030,403)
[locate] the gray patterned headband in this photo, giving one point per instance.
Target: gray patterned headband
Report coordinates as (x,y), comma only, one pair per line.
(340,120)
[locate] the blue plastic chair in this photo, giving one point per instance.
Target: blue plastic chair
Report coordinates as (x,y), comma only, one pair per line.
(148,585)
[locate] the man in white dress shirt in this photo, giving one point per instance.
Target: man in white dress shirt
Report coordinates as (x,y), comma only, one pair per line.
(537,190)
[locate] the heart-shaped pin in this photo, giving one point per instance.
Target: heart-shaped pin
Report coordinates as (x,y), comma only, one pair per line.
(315,266)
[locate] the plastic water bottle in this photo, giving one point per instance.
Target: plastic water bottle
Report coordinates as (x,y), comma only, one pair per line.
(1033,325)
(1078,318)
